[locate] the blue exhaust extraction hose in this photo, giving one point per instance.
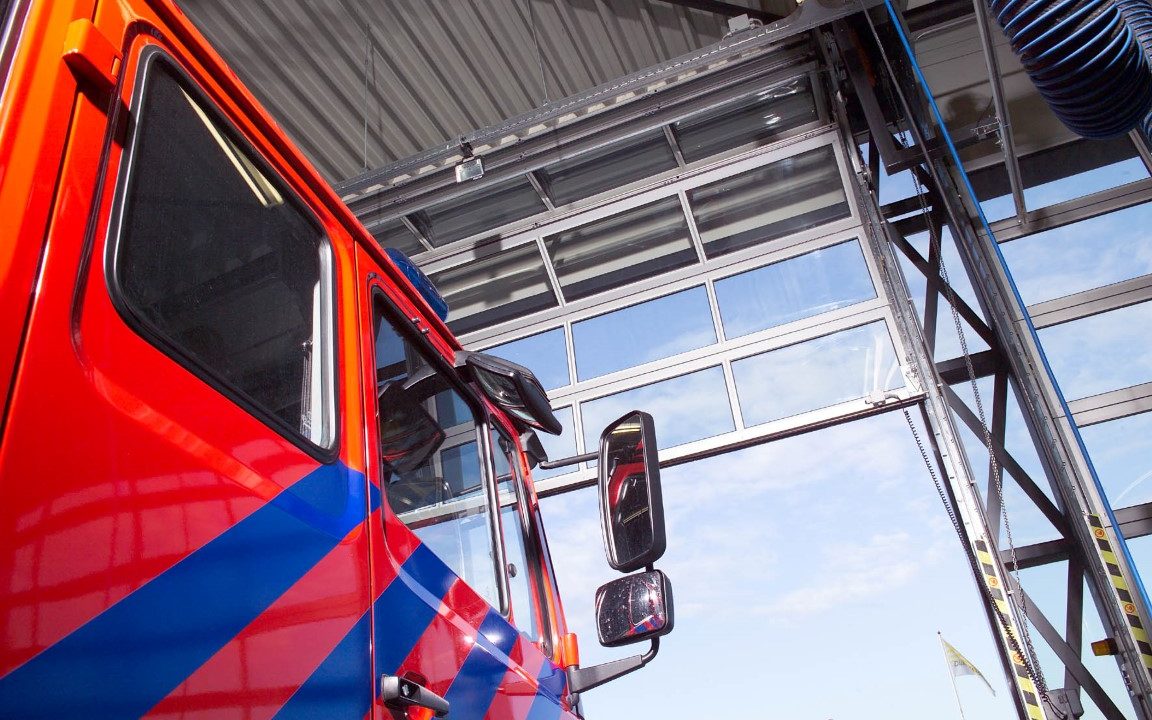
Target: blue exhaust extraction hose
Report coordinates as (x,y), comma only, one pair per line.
(1086,59)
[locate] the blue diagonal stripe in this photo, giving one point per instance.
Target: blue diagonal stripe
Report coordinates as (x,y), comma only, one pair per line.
(402,615)
(475,686)
(553,681)
(340,687)
(546,705)
(128,658)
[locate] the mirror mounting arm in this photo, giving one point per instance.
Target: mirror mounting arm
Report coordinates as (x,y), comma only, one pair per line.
(581,679)
(565,462)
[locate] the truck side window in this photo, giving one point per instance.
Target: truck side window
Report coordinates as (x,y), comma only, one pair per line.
(217,263)
(432,472)
(520,553)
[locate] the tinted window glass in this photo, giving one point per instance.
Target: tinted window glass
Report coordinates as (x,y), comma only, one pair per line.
(781,198)
(431,466)
(223,265)
(759,119)
(620,249)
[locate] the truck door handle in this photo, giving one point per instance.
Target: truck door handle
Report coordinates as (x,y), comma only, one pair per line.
(398,693)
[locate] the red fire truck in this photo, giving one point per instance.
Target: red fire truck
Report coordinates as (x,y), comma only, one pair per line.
(245,469)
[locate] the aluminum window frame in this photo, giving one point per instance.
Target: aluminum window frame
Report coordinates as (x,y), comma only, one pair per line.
(515,328)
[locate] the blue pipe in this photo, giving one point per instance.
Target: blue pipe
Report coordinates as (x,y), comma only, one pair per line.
(1089,59)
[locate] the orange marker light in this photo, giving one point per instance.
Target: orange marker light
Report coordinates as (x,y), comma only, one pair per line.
(1107,646)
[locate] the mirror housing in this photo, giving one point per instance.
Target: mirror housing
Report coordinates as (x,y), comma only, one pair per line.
(533,448)
(631,505)
(634,608)
(513,388)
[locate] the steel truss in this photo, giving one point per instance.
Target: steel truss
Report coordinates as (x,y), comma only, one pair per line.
(873,68)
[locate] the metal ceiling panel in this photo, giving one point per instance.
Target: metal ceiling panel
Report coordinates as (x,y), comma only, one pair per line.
(360,84)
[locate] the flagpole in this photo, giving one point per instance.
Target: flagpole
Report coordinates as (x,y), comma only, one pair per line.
(951,675)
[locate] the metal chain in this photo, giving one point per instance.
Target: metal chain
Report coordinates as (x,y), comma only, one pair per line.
(997,472)
(1034,670)
(974,562)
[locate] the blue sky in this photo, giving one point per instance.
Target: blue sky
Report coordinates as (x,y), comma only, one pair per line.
(811,576)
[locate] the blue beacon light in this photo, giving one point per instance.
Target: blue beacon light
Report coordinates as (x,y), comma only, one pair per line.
(421,282)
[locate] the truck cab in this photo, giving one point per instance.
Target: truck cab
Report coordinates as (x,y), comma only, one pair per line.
(245,469)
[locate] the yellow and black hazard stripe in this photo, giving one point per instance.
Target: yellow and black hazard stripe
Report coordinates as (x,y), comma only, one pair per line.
(1120,585)
(1007,627)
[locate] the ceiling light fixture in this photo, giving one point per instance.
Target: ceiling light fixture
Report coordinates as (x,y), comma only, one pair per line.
(470,168)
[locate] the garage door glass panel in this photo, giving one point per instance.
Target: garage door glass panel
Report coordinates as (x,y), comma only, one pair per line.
(643,333)
(480,211)
(1121,452)
(818,373)
(778,199)
(1102,352)
(494,289)
(395,234)
(687,408)
(1088,254)
(608,168)
(817,282)
(558,446)
(756,120)
(620,249)
(544,354)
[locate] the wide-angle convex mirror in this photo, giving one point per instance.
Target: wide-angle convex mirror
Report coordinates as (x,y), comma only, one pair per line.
(631,506)
(634,608)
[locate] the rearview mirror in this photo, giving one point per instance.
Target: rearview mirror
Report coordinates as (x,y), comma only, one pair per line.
(634,608)
(631,506)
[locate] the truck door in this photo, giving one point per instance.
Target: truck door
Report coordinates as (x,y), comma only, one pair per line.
(181,520)
(450,574)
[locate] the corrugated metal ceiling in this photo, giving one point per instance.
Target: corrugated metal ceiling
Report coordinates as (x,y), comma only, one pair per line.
(359,84)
